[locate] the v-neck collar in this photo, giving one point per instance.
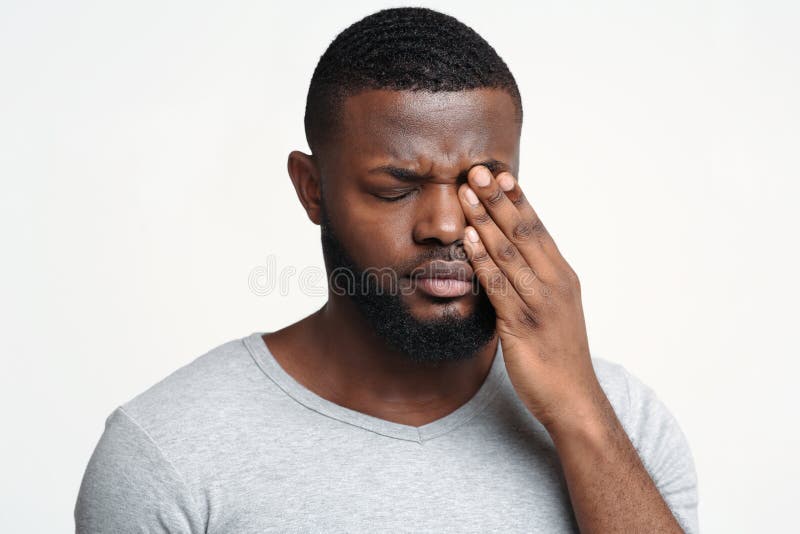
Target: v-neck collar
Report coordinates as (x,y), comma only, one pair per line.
(266,361)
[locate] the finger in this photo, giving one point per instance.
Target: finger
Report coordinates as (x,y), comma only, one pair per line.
(503,254)
(510,185)
(507,302)
(507,218)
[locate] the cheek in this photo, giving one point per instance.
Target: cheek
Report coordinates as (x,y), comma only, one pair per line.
(384,241)
(377,234)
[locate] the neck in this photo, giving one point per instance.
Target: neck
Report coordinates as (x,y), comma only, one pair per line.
(337,355)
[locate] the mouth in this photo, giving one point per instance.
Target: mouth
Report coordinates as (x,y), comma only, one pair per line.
(443,279)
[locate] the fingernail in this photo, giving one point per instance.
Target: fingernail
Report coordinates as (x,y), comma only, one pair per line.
(471,197)
(482,177)
(472,235)
(506,182)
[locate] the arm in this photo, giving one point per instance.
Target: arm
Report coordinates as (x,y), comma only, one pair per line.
(610,489)
(129,486)
(536,296)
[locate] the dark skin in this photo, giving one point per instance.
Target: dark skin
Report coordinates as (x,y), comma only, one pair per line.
(460,154)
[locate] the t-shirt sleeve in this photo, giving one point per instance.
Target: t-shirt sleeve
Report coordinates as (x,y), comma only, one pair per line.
(130,486)
(664,451)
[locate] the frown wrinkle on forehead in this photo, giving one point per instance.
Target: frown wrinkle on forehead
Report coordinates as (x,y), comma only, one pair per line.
(422,129)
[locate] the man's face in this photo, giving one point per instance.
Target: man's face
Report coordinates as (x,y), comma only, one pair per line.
(416,148)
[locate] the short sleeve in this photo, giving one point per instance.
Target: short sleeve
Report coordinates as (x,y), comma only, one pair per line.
(664,451)
(129,486)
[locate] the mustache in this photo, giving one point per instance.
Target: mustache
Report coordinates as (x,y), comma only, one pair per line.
(453,252)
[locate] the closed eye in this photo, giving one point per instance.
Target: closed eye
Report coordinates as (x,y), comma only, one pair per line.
(394,198)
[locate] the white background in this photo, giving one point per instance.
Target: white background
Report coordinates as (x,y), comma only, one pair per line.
(143,152)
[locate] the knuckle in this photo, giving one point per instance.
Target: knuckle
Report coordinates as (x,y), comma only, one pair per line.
(507,252)
(564,287)
(522,230)
(538,227)
(495,197)
(480,256)
(480,219)
(566,284)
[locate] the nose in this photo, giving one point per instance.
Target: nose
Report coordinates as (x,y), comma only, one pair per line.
(440,220)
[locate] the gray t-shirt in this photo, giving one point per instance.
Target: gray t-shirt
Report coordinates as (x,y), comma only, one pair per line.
(232,443)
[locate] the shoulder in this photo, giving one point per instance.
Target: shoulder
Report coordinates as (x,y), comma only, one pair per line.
(200,397)
(155,446)
(130,486)
(214,372)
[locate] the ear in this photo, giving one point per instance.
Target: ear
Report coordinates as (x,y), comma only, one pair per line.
(305,176)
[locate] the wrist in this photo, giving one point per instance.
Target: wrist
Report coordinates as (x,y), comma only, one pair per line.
(590,421)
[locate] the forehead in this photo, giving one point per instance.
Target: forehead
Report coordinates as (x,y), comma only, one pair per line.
(407,125)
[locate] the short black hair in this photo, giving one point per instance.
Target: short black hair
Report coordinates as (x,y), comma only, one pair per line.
(409,48)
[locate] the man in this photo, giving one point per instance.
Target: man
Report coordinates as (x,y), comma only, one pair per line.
(447,384)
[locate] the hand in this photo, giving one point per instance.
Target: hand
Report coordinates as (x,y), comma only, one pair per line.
(537,299)
(540,322)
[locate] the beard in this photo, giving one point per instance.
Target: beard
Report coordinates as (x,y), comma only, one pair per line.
(449,337)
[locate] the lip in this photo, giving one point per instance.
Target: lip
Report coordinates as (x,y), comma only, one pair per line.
(443,278)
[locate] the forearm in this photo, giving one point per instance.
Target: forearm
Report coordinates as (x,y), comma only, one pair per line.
(610,489)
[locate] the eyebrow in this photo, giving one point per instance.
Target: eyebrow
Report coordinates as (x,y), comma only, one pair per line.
(407,175)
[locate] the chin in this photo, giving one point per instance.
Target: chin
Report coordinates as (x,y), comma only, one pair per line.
(428,308)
